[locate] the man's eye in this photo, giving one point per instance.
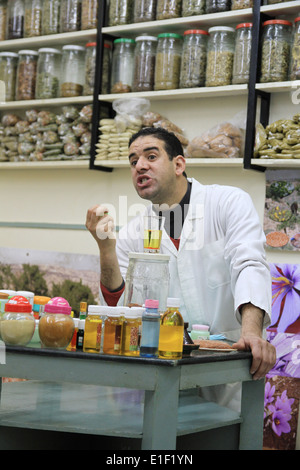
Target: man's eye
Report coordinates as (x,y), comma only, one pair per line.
(133,162)
(151,157)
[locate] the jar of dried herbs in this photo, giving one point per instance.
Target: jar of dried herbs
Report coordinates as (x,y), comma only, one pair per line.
(241,4)
(3,17)
(242,53)
(276,45)
(72,80)
(89,14)
(8,73)
(295,52)
(33,18)
(168,9)
(215,6)
(168,60)
(48,73)
(193,60)
(122,65)
(193,7)
(15,19)
(144,10)
(26,75)
(120,12)
(220,54)
(51,17)
(144,63)
(90,67)
(70,16)
(106,68)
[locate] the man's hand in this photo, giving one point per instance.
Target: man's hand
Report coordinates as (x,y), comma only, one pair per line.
(101,226)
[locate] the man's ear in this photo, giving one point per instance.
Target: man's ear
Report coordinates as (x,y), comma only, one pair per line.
(179,164)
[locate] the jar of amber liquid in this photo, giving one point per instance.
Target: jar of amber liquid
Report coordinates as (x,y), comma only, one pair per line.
(93,329)
(113,329)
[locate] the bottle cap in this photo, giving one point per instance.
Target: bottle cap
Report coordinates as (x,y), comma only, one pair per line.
(58,305)
(18,303)
(150,303)
(173,302)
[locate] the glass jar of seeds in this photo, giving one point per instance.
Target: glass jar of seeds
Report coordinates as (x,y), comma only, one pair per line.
(8,73)
(276,44)
(144,10)
(122,65)
(48,73)
(168,60)
(15,19)
(89,14)
(295,52)
(33,18)
(220,54)
(215,6)
(168,9)
(193,60)
(144,63)
(120,12)
(72,80)
(241,4)
(242,53)
(193,7)
(90,67)
(106,68)
(51,17)
(70,16)
(26,75)
(3,17)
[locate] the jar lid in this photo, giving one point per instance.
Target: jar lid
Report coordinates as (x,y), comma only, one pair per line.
(170,35)
(3,295)
(8,291)
(131,41)
(196,31)
(58,305)
(288,23)
(244,25)
(297,19)
(73,48)
(134,312)
(28,52)
(146,38)
(18,303)
(200,327)
(97,309)
(173,302)
(49,50)
(41,299)
(221,28)
(91,44)
(106,44)
(151,303)
(8,54)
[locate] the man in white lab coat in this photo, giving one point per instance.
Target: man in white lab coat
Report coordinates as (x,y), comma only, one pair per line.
(216,247)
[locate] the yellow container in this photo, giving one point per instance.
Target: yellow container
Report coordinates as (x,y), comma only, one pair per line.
(93,329)
(170,344)
(131,331)
(113,330)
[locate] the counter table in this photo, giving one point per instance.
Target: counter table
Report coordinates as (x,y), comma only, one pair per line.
(155,400)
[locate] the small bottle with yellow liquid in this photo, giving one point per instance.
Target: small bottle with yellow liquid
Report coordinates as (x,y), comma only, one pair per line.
(113,329)
(171,331)
(93,329)
(131,331)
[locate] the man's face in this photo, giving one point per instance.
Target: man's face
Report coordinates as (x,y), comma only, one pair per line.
(153,174)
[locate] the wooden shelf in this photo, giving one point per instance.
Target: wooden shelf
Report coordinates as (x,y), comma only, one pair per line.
(190,162)
(279,87)
(27,104)
(46,165)
(277,163)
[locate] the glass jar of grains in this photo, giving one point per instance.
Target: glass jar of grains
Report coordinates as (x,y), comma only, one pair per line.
(15,19)
(276,44)
(8,73)
(72,80)
(17,323)
(168,9)
(242,53)
(89,14)
(144,63)
(168,60)
(120,12)
(3,17)
(241,4)
(122,65)
(56,326)
(50,17)
(26,75)
(295,52)
(193,7)
(215,6)
(106,68)
(33,18)
(144,10)
(90,67)
(220,54)
(70,16)
(48,73)
(193,61)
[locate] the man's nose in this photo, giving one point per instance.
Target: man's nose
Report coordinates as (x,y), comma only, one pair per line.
(142,164)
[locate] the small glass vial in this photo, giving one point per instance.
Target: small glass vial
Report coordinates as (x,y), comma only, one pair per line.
(93,329)
(90,67)
(8,73)
(3,19)
(89,14)
(171,331)
(17,322)
(193,7)
(295,55)
(70,16)
(150,329)
(168,9)
(220,54)
(15,19)
(106,68)
(48,73)
(144,10)
(83,310)
(51,17)
(276,45)
(26,75)
(131,331)
(242,53)
(33,18)
(216,6)
(193,61)
(73,75)
(113,331)
(241,4)
(122,65)
(120,12)
(144,63)
(168,60)
(199,332)
(80,335)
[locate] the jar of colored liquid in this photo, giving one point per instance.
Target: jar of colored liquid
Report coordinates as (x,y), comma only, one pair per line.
(113,329)
(171,331)
(93,328)
(131,331)
(150,329)
(199,332)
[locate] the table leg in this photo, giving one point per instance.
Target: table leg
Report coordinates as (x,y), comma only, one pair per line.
(252,410)
(161,410)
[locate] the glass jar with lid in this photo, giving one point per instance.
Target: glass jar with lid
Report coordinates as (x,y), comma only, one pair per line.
(168,9)
(15,19)
(89,14)
(295,52)
(56,326)
(26,75)
(70,16)
(3,18)
(51,17)
(193,61)
(168,60)
(120,12)
(90,67)
(17,323)
(122,65)
(241,4)
(193,7)
(72,79)
(220,54)
(242,53)
(144,63)
(8,73)
(48,73)
(106,68)
(276,45)
(215,6)
(33,18)
(144,10)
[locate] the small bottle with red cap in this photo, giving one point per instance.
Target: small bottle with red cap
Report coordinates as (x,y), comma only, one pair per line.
(150,329)
(17,324)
